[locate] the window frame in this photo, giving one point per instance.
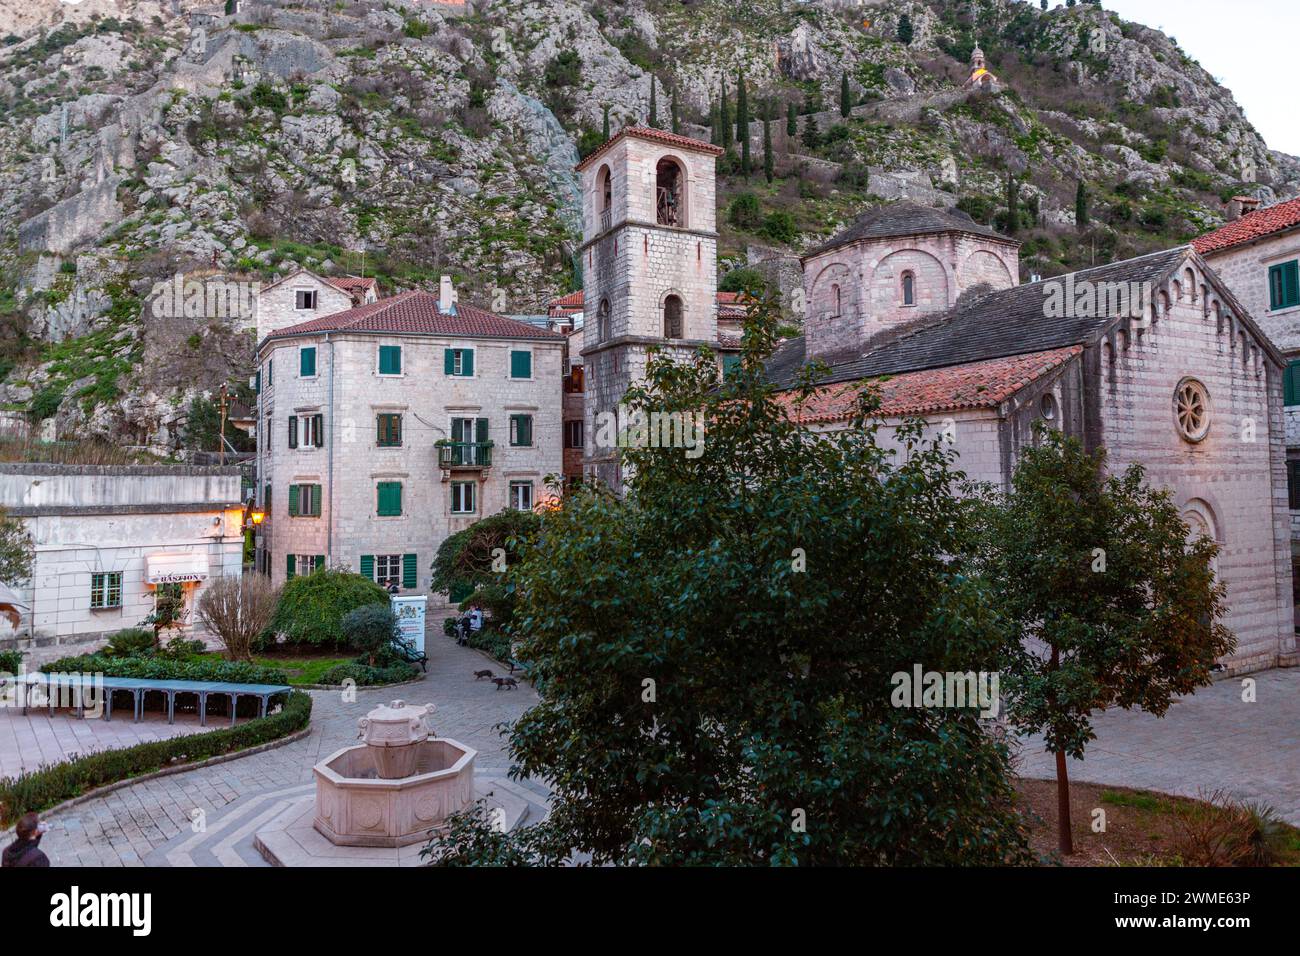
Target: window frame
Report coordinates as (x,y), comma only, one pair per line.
(520,485)
(515,419)
(391,351)
(384,559)
(306,295)
(1284,278)
(305,352)
(108,582)
(473,496)
(570,431)
(384,435)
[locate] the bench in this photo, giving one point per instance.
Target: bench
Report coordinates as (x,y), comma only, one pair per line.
(408,652)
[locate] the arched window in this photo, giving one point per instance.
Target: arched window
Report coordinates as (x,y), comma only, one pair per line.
(604,197)
(672,317)
(909,289)
(835,299)
(670,193)
(602,320)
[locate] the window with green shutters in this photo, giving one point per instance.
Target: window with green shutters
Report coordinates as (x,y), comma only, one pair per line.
(307,361)
(368,566)
(1284,285)
(408,572)
(106,590)
(296,564)
(730,365)
(458,362)
(1293,483)
(304,501)
(389,499)
(390,360)
(257,382)
(1291,384)
(521,364)
(521,430)
(388,430)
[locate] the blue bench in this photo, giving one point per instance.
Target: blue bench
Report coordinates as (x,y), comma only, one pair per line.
(50,688)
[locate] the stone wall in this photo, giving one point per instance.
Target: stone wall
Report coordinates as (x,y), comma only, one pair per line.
(277,306)
(1244,269)
(74,221)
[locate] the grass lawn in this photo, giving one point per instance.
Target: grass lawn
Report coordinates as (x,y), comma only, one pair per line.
(299,668)
(1142,828)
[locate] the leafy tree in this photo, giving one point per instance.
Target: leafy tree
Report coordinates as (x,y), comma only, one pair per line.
(711,698)
(905,31)
(470,568)
(1115,608)
(371,629)
(1081,205)
(779,226)
(744,279)
(312,606)
(846,95)
(811,137)
(203,428)
(742,125)
(15,549)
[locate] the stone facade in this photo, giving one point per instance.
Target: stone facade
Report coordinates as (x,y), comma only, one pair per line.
(146,525)
(638,268)
(279,304)
(349,393)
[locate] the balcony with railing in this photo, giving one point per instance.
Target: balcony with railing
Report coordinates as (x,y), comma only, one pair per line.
(464,455)
(606,219)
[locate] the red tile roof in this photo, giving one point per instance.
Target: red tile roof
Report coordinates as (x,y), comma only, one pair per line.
(653,136)
(352,284)
(1253,225)
(976,385)
(565,304)
(416,313)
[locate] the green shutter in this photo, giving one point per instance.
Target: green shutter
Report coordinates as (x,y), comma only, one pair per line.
(1291,283)
(458,429)
(293,503)
(289,566)
(318,562)
(467,362)
(449,361)
(257,382)
(293,431)
(315,500)
(1291,384)
(390,498)
(523,429)
(368,566)
(307,362)
(408,571)
(390,359)
(481,430)
(521,364)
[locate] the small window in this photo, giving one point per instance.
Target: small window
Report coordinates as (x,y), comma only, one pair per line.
(573,433)
(521,430)
(389,499)
(521,495)
(1192,409)
(305,299)
(458,362)
(521,364)
(390,360)
(602,320)
(672,317)
(835,300)
(388,569)
(1284,285)
(307,362)
(105,590)
(909,289)
(462,497)
(304,501)
(388,429)
(306,431)
(296,564)
(270,372)
(1291,384)
(730,365)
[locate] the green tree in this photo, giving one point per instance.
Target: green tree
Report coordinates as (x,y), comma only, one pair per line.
(469,568)
(846,95)
(670,732)
(312,606)
(779,226)
(742,125)
(676,120)
(372,629)
(605,127)
(791,121)
(745,212)
(654,105)
(1081,205)
(905,31)
(15,549)
(724,115)
(1113,605)
(1013,205)
(769,162)
(811,137)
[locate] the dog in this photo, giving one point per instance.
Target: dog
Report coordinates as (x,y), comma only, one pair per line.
(509,682)
(479,675)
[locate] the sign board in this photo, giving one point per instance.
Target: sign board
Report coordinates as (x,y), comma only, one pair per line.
(177,577)
(410,618)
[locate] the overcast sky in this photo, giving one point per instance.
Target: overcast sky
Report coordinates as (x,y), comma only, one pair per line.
(1247,45)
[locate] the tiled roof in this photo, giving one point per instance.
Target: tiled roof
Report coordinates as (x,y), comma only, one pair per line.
(654,136)
(1010,322)
(416,313)
(352,284)
(906,219)
(1253,225)
(977,385)
(566,303)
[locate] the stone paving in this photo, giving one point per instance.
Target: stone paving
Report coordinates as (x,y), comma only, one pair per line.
(142,824)
(1207,741)
(30,742)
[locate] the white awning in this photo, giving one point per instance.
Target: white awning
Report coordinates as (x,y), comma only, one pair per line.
(176,568)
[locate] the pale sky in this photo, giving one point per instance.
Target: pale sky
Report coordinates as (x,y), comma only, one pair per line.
(1247,45)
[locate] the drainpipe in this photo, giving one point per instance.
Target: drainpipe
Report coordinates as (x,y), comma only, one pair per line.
(329,461)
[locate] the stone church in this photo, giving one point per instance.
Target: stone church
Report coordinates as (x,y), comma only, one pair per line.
(1152,358)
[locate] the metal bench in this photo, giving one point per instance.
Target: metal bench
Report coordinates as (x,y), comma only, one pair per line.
(407,651)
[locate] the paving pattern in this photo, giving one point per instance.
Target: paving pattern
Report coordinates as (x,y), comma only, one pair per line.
(156,822)
(1211,740)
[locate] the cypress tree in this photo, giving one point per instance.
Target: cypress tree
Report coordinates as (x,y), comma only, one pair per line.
(725,116)
(791,121)
(677,126)
(1013,205)
(846,98)
(768,161)
(654,106)
(810,136)
(715,125)
(606,128)
(742,125)
(1081,205)
(905,29)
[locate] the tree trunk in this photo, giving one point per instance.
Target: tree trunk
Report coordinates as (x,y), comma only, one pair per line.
(1066,836)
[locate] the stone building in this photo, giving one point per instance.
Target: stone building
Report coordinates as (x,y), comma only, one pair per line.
(1257,255)
(108,539)
(387,427)
(303,295)
(650,274)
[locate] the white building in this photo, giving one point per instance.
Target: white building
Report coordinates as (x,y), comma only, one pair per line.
(109,539)
(385,428)
(303,295)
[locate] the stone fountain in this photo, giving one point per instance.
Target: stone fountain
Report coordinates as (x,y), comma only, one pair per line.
(396,786)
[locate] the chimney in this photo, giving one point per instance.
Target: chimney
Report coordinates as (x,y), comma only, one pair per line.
(446,297)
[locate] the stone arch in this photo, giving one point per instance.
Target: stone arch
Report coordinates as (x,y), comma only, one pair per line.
(672,308)
(1189,283)
(604,196)
(834,278)
(907,294)
(982,266)
(672,191)
(602,320)
(930,282)
(1201,520)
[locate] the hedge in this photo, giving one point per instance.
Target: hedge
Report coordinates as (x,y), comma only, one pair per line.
(10,662)
(164,668)
(52,785)
(366,676)
(312,606)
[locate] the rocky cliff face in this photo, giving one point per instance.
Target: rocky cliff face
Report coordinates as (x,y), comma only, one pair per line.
(409,139)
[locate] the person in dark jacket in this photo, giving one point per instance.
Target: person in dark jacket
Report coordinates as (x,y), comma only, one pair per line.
(26,850)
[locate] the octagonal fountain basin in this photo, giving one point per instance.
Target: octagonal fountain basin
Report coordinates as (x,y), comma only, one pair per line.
(355,806)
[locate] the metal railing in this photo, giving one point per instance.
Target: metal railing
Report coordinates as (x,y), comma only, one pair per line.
(465,454)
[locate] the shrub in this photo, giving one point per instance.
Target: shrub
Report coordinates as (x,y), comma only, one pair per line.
(312,607)
(237,609)
(44,788)
(744,279)
(366,676)
(165,668)
(11,662)
(779,227)
(371,630)
(464,562)
(745,212)
(129,642)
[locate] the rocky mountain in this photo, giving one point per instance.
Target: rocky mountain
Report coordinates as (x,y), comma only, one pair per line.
(410,138)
